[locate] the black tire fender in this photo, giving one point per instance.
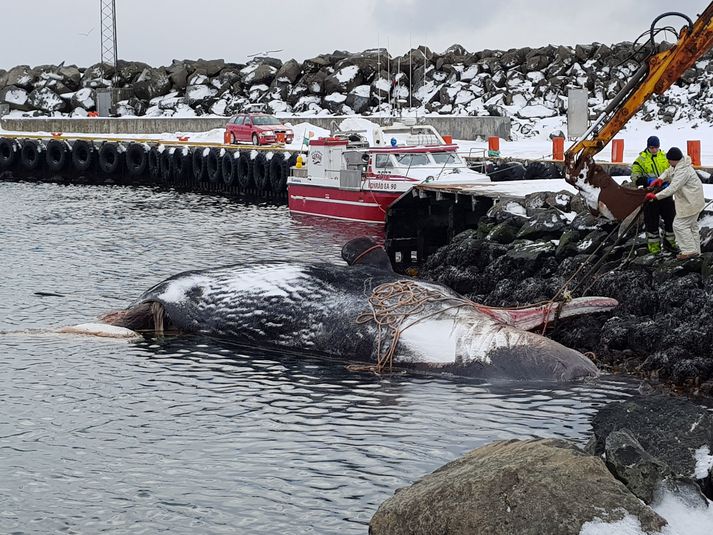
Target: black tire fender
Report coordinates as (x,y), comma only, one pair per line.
(278,176)
(109,157)
(8,152)
(229,167)
(30,154)
(245,170)
(137,159)
(83,155)
(199,164)
(154,163)
(214,167)
(261,172)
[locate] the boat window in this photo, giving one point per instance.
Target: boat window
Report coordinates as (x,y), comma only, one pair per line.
(412,160)
(383,161)
(444,158)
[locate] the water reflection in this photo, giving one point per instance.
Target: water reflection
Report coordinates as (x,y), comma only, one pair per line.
(189,435)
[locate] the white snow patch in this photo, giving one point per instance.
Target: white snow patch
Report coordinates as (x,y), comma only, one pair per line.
(346,74)
(336,97)
(362,91)
(629,525)
(704,462)
(536,111)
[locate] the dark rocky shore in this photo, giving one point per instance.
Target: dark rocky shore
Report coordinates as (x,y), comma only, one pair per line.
(526,84)
(647,464)
(526,252)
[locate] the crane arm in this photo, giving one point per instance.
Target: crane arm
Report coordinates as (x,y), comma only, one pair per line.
(656,75)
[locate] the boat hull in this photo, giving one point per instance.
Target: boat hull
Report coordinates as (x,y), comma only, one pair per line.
(350,205)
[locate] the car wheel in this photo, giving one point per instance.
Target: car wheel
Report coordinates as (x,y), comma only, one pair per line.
(256,141)
(233,141)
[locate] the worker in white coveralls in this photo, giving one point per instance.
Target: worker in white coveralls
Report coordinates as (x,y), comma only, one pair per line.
(687,190)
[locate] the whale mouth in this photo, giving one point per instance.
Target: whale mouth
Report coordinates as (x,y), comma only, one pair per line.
(148,316)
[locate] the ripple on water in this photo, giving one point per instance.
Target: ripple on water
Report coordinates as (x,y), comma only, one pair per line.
(190,436)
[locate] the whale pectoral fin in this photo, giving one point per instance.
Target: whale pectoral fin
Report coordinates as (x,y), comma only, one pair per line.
(529,318)
(365,251)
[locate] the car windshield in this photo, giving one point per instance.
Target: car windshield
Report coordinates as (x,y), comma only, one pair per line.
(412,160)
(445,158)
(265,119)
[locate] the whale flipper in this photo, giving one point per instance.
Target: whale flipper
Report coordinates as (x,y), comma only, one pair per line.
(365,251)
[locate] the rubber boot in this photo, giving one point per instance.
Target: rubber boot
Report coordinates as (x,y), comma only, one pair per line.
(669,243)
(654,247)
(652,243)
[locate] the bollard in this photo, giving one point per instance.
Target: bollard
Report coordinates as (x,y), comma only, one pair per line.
(226,138)
(617,150)
(493,146)
(558,148)
(694,151)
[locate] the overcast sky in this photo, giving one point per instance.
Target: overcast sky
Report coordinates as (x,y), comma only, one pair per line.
(37,32)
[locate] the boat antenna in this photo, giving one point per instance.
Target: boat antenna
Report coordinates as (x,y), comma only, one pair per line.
(410,71)
(378,67)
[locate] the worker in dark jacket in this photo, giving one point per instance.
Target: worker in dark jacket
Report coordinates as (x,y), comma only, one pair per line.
(645,171)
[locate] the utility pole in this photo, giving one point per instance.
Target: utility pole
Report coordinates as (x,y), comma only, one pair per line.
(107,15)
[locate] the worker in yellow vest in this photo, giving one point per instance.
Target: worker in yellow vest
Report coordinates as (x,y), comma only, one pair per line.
(645,171)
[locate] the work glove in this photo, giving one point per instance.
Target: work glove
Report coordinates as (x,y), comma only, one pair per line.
(650,196)
(657,183)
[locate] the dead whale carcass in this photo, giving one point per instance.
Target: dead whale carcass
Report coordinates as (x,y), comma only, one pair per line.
(362,312)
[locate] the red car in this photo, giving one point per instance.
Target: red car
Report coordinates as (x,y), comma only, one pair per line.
(258,129)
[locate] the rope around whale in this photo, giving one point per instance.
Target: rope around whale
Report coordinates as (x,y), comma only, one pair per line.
(391,304)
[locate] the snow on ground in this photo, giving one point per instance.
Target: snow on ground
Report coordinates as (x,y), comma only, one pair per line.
(634,136)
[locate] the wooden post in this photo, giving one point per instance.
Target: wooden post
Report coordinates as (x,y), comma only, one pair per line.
(558,148)
(694,151)
(617,150)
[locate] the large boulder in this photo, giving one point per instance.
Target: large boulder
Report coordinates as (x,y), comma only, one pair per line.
(633,465)
(15,97)
(152,83)
(358,99)
(209,67)
(21,76)
(84,99)
(675,431)
(3,78)
(543,224)
(46,100)
(257,74)
(527,487)
(289,72)
(178,73)
(343,80)
(71,76)
(128,71)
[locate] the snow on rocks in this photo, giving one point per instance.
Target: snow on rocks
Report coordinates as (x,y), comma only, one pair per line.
(528,85)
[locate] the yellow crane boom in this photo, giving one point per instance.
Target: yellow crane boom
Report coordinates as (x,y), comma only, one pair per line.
(656,75)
